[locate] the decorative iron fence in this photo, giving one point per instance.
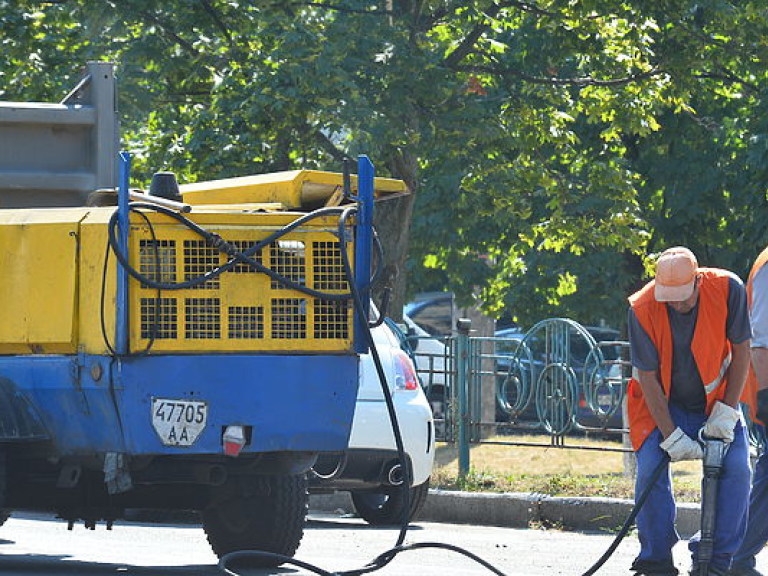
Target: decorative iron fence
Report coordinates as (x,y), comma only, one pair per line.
(559,381)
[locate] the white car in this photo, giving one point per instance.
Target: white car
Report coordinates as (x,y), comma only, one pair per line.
(369,469)
(432,357)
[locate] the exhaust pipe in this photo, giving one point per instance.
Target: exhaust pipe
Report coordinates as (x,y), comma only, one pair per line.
(395,475)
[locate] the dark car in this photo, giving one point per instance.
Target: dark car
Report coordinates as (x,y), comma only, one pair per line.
(434,312)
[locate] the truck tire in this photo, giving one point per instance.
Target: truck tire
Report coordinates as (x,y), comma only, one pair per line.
(386,507)
(265,513)
(4,514)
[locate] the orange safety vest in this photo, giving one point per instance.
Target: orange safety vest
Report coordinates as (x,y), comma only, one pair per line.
(710,346)
(749,395)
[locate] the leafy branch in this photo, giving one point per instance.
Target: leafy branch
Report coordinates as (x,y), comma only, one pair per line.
(557,81)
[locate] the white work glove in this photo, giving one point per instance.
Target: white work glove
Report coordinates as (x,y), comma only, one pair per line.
(721,422)
(680,446)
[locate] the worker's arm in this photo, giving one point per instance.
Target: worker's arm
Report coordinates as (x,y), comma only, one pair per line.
(760,364)
(737,373)
(759,319)
(645,364)
(656,401)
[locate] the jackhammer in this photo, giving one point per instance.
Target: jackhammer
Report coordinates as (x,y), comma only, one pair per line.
(714,454)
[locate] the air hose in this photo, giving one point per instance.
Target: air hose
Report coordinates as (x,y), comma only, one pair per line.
(236,257)
(214,240)
(385,557)
(630,519)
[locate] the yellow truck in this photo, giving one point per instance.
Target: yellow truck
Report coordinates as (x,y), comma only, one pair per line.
(194,346)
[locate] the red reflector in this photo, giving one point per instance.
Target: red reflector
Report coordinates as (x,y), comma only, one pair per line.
(234,440)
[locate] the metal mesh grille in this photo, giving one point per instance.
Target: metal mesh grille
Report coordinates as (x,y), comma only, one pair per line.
(242,310)
(202,318)
(289,318)
(199,258)
(331,319)
(242,246)
(246,322)
(328,267)
(288,259)
(153,251)
(159,318)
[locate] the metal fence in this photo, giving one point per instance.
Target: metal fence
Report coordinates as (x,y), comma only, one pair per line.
(559,381)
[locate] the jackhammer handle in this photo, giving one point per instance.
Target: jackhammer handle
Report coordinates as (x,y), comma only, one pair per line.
(715,450)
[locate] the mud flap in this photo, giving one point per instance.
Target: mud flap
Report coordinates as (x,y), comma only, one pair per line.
(19,420)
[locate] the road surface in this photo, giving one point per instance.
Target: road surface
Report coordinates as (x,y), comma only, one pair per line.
(38,545)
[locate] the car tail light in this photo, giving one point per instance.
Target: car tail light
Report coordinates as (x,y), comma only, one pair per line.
(405,373)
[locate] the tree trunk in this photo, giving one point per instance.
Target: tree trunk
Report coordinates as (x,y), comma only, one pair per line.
(392,219)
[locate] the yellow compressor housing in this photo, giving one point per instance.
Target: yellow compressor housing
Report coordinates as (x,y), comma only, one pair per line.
(58,290)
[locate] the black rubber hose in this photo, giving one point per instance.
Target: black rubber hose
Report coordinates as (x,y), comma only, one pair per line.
(235,257)
(385,557)
(630,519)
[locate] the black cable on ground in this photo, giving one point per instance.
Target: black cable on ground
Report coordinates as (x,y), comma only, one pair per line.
(387,556)
(630,519)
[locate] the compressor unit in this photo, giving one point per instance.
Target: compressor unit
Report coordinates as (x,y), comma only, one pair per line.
(196,353)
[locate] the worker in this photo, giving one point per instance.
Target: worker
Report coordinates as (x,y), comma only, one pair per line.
(756,396)
(689,335)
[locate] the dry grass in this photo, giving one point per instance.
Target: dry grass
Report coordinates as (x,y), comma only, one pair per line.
(551,470)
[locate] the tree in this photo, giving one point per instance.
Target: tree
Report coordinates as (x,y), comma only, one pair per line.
(548,145)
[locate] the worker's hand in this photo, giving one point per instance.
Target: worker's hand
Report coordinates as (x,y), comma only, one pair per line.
(680,446)
(721,422)
(762,406)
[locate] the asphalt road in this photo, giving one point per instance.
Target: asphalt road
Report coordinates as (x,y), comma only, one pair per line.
(37,545)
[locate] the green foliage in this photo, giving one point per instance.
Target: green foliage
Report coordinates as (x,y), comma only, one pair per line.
(550,145)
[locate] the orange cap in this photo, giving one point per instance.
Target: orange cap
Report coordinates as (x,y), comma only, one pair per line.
(676,271)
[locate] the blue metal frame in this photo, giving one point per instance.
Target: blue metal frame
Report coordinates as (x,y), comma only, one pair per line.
(123,221)
(365,175)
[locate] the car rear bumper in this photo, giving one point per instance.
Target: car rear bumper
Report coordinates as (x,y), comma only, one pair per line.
(372,431)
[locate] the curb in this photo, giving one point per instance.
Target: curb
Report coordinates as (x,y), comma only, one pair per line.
(520,510)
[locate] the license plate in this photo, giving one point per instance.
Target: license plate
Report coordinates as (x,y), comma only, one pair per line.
(178,422)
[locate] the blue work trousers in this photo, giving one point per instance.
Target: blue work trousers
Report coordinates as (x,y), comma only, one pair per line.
(656,519)
(757,524)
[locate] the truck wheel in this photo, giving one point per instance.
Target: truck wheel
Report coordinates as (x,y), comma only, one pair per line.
(265,513)
(386,507)
(4,514)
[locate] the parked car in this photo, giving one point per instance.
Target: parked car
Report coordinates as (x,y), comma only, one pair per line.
(432,357)
(433,312)
(370,469)
(589,388)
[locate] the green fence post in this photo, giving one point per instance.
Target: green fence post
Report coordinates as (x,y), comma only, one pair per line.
(462,363)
